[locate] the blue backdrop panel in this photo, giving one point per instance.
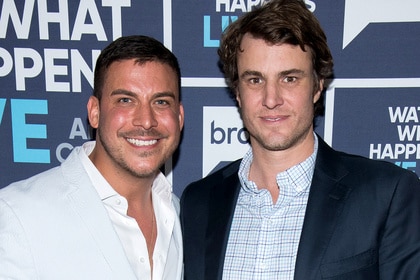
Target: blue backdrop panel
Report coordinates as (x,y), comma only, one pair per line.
(48,49)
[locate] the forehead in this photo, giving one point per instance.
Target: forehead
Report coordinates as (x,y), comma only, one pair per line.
(257,52)
(150,75)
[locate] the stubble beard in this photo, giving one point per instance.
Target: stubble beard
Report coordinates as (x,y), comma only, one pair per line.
(281,143)
(116,154)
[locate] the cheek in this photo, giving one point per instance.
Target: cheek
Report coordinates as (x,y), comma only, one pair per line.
(247,99)
(171,121)
(114,119)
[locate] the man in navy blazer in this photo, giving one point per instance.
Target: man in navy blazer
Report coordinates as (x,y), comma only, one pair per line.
(294,208)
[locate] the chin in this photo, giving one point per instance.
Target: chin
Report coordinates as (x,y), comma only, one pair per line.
(142,171)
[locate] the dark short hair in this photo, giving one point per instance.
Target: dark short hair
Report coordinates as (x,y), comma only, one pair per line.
(141,48)
(278,22)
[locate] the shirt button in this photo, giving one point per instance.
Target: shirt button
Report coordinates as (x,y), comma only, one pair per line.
(118,201)
(142,260)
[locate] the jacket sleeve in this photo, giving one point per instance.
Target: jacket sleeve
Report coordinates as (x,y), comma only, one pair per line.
(16,261)
(399,252)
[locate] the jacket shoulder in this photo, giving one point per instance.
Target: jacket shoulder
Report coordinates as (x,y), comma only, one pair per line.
(365,165)
(48,184)
(338,164)
(32,185)
(212,180)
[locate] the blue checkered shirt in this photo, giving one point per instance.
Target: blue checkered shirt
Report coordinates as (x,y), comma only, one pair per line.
(264,237)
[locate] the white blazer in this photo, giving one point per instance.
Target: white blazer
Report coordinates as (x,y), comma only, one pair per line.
(54,226)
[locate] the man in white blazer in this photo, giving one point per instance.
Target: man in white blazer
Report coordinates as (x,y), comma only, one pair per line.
(107,212)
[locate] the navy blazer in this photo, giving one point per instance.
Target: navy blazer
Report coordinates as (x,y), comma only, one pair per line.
(362,221)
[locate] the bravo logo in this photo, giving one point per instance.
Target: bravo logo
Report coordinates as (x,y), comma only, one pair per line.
(359,13)
(224,137)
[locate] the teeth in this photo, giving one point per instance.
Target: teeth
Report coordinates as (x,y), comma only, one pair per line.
(141,143)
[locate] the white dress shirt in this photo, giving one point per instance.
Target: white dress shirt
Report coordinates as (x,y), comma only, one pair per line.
(167,254)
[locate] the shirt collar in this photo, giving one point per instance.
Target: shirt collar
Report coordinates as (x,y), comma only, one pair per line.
(160,187)
(299,183)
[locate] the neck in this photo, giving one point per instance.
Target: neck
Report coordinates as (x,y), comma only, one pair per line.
(267,164)
(281,160)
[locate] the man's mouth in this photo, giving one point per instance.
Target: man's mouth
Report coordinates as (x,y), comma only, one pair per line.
(141,143)
(272,119)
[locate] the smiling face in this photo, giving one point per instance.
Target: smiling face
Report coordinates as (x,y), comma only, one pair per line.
(276,94)
(138,119)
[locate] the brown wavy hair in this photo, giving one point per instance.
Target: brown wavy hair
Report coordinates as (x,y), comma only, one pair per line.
(278,22)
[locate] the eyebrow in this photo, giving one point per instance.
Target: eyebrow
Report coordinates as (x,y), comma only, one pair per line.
(282,73)
(122,92)
(132,94)
(251,73)
(292,71)
(165,94)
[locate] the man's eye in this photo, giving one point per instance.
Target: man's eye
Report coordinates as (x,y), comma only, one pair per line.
(124,100)
(162,102)
(255,81)
(290,79)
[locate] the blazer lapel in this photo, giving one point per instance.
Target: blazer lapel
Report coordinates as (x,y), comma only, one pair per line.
(222,206)
(326,200)
(86,202)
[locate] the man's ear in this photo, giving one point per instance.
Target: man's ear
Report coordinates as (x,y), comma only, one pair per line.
(317,93)
(93,111)
(238,97)
(181,116)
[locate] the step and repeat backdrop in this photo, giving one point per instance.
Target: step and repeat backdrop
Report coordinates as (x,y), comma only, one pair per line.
(48,50)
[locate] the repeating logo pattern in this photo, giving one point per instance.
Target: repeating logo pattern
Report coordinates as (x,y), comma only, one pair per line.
(48,51)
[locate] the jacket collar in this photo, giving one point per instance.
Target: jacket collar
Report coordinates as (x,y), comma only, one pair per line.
(326,200)
(222,206)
